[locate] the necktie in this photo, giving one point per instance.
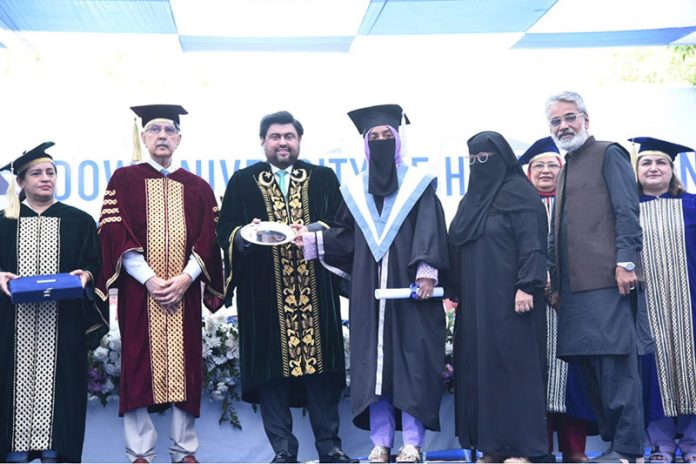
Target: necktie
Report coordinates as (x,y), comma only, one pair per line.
(281,182)
(164,172)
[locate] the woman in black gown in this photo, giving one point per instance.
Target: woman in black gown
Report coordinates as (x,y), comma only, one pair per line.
(498,249)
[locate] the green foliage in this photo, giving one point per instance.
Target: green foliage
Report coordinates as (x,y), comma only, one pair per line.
(650,65)
(684,57)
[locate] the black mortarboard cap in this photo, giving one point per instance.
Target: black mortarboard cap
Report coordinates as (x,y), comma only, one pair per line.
(36,154)
(545,145)
(149,112)
(367,118)
(652,144)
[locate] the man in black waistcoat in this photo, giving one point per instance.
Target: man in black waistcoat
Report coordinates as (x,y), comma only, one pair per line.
(594,251)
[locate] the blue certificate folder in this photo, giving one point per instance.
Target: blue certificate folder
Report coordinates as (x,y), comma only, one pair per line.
(45,287)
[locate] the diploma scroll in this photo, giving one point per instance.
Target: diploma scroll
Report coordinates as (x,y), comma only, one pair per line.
(403,293)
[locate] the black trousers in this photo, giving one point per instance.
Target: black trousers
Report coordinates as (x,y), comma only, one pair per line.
(322,406)
(615,391)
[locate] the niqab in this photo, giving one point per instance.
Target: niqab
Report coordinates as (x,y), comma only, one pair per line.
(498,184)
(383,157)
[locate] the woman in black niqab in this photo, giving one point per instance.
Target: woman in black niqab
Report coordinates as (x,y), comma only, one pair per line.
(499,183)
(498,251)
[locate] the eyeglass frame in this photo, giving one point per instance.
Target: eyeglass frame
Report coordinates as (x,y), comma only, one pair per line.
(569,118)
(155,129)
(540,166)
(477,157)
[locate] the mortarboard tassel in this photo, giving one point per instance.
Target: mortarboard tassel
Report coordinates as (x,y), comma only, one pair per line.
(12,210)
(137,154)
(634,159)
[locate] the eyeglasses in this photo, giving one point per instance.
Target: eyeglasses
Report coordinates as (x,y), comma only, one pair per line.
(480,157)
(155,129)
(541,166)
(568,118)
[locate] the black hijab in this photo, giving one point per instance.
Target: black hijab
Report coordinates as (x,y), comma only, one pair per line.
(498,184)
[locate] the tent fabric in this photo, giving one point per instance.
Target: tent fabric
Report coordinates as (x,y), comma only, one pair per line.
(319,26)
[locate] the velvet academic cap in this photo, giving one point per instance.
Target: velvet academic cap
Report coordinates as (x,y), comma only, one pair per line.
(367,118)
(149,112)
(540,147)
(650,144)
(35,155)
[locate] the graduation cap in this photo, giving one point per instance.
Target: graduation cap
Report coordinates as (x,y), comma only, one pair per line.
(35,155)
(367,118)
(25,161)
(149,112)
(545,146)
(653,146)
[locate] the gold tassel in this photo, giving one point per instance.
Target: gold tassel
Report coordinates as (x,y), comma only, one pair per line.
(12,210)
(634,159)
(137,154)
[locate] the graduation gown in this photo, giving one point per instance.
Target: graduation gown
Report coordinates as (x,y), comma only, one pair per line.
(669,263)
(499,355)
(288,308)
(167,219)
(397,351)
(43,346)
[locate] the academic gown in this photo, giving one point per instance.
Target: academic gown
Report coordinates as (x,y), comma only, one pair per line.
(288,308)
(499,355)
(167,219)
(669,263)
(409,369)
(43,346)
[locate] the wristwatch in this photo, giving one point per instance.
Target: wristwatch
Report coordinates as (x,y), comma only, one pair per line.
(629,266)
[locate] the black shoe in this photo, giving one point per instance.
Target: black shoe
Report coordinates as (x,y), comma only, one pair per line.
(614,456)
(282,456)
(336,455)
(550,458)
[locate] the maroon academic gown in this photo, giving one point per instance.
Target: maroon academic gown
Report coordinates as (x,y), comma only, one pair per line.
(166,219)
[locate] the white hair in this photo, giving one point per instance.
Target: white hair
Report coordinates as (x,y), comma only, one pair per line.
(566,96)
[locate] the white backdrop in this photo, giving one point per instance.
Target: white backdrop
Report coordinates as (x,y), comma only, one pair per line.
(81,102)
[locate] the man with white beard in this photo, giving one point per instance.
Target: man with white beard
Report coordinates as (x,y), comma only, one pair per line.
(594,263)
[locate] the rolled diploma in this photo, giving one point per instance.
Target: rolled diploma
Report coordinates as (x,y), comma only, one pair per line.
(402,293)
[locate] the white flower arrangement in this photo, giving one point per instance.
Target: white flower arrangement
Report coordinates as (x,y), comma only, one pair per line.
(346,349)
(221,365)
(104,369)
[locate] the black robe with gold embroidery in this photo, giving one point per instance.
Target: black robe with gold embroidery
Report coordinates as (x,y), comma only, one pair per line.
(288,308)
(43,346)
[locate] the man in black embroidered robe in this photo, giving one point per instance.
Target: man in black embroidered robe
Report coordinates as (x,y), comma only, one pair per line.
(291,343)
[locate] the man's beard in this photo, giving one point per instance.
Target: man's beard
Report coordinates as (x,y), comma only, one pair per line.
(573,144)
(276,161)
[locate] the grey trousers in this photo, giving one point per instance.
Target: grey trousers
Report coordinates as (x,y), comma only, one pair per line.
(615,391)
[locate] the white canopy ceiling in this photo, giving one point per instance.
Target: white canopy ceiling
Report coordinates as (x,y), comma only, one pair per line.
(344,25)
